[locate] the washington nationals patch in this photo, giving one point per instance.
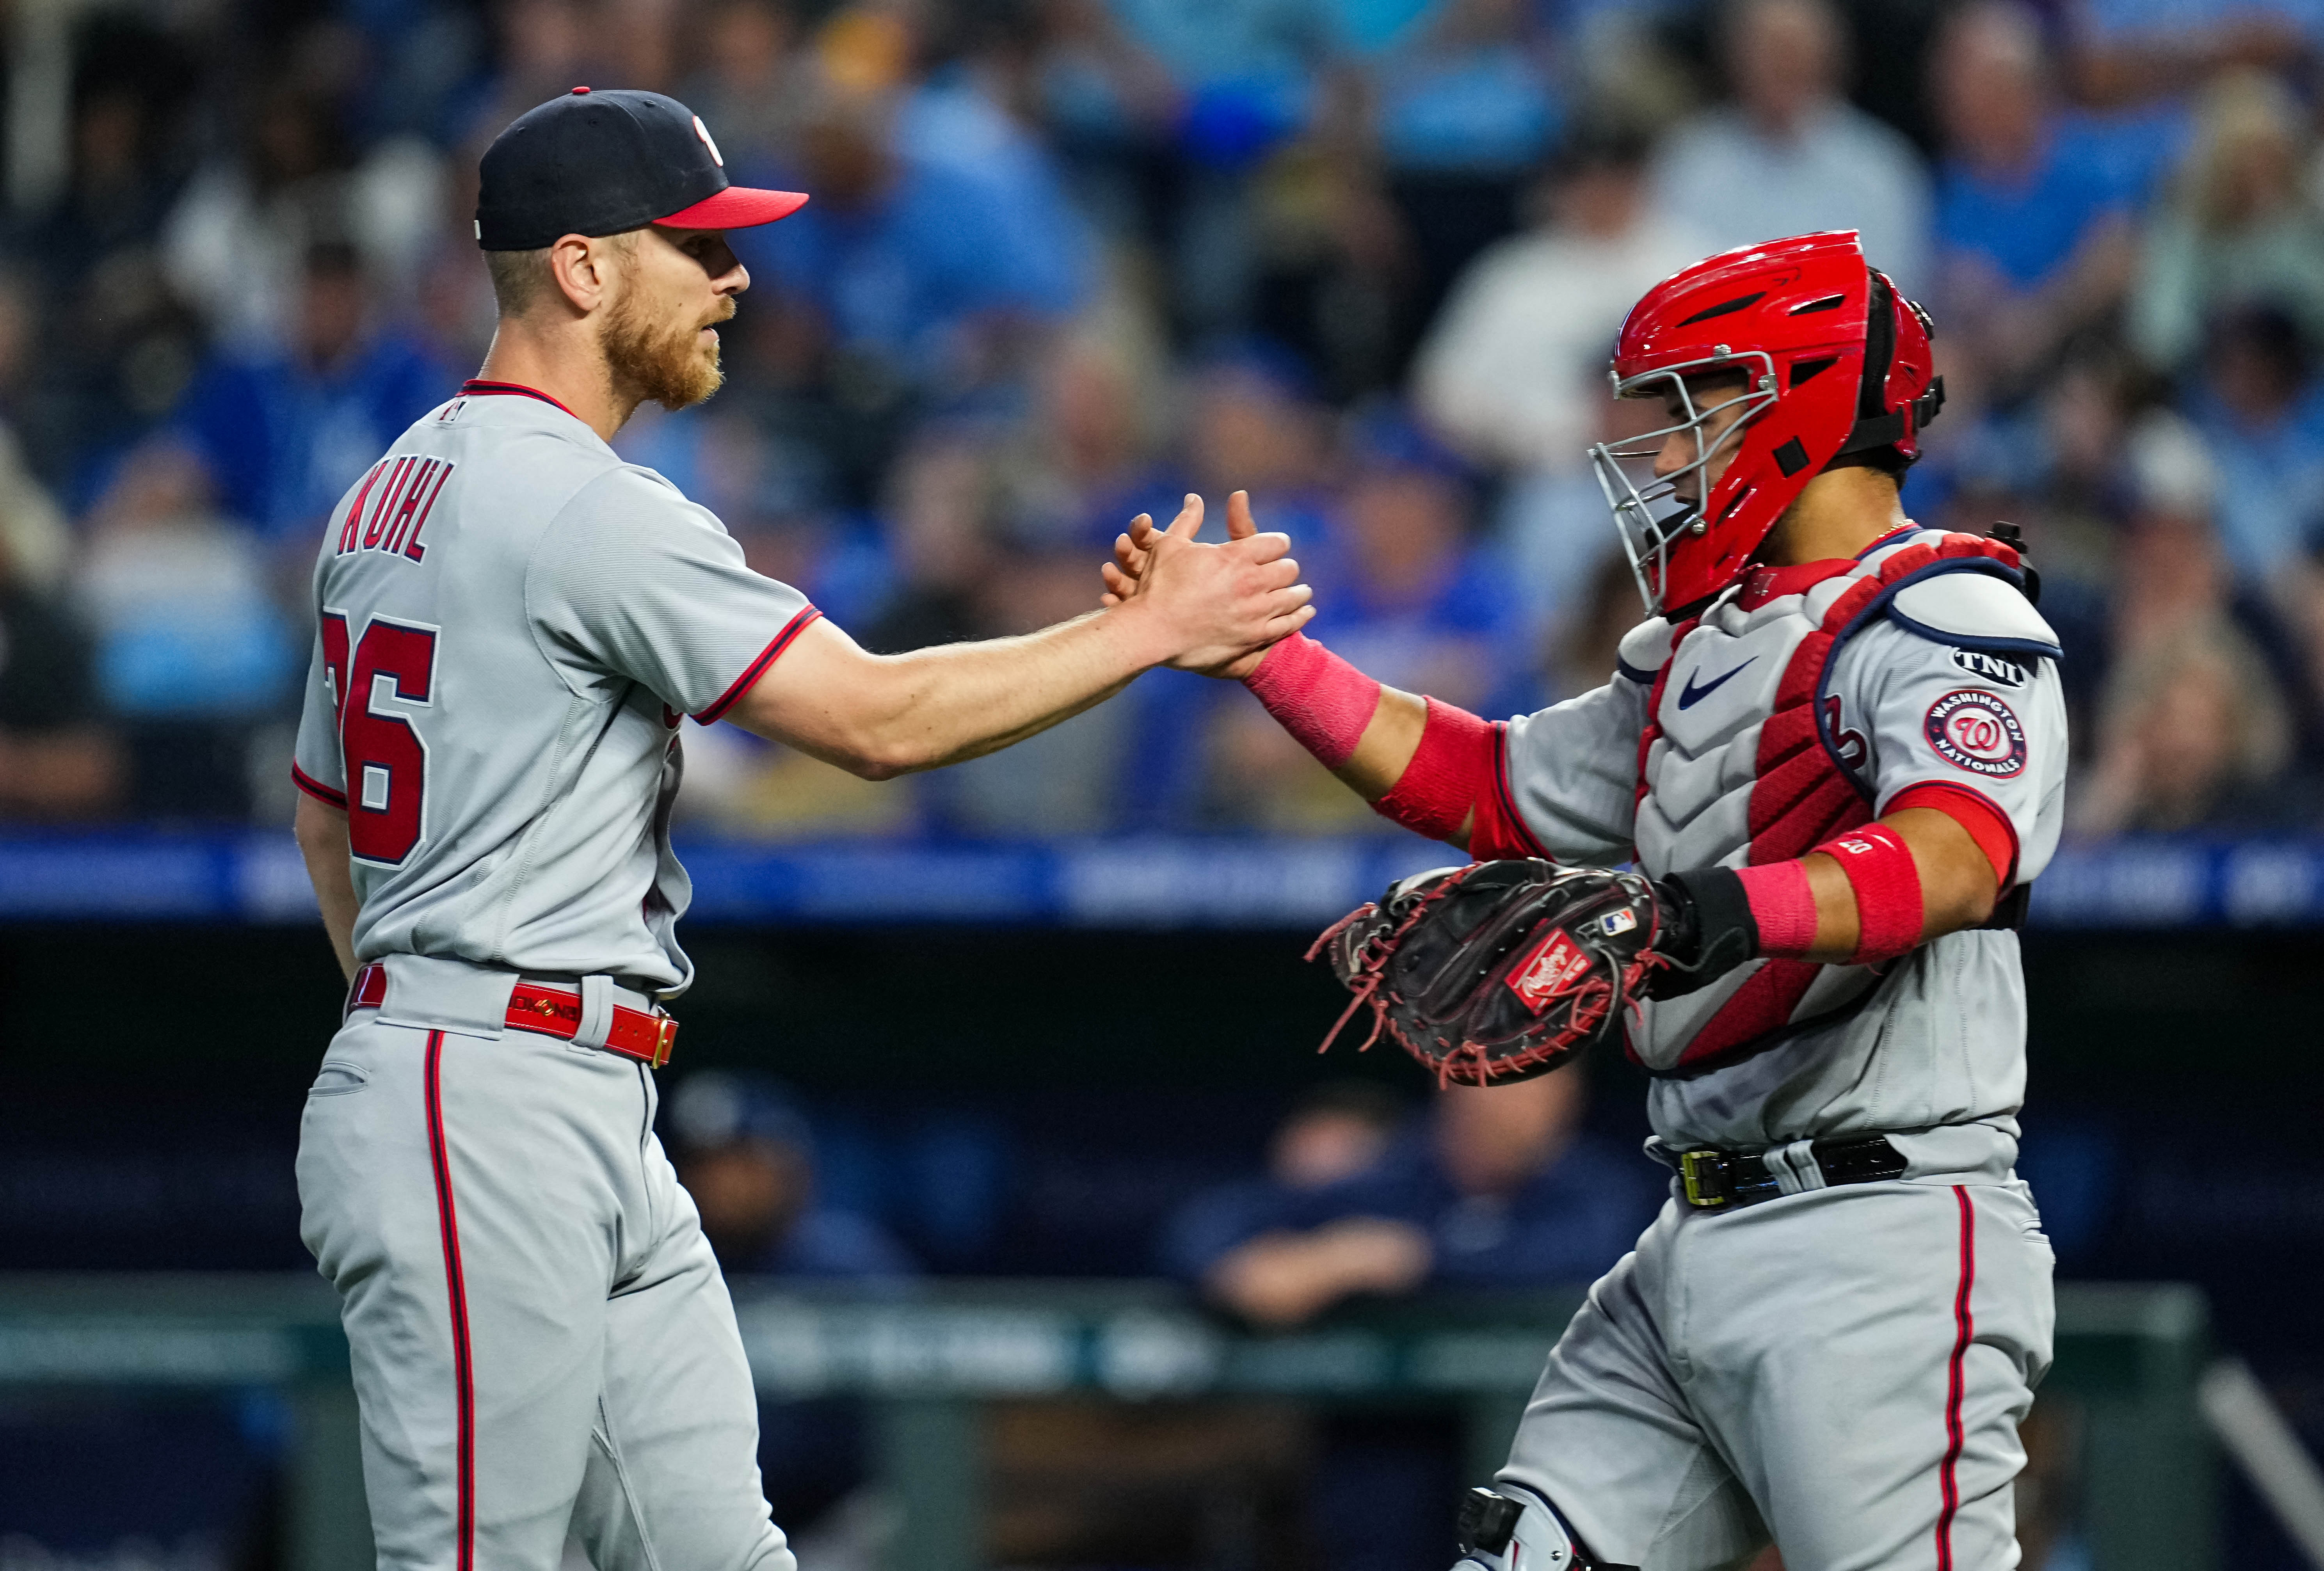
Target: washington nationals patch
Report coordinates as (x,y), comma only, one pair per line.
(1978,732)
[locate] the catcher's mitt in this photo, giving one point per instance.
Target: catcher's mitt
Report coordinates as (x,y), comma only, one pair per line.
(1497,970)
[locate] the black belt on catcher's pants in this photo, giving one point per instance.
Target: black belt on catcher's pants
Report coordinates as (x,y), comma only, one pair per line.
(551,1011)
(1725,1180)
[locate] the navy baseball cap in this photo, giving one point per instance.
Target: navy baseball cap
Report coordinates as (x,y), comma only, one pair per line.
(603,162)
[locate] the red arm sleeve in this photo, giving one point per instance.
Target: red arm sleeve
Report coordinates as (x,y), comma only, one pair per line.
(1986,822)
(1455,777)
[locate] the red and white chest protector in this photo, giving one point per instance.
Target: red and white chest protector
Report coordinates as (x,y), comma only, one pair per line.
(1744,758)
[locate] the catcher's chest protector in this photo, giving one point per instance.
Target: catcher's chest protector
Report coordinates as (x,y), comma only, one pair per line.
(1743,761)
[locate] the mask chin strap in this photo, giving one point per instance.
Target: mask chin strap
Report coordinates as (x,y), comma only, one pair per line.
(1884,430)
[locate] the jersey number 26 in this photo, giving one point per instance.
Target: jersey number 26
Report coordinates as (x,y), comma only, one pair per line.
(386,761)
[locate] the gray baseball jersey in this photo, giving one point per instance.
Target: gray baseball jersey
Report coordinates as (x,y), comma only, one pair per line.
(511,623)
(1841,1368)
(1799,704)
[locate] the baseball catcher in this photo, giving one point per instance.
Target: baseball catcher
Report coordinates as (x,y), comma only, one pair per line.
(1834,754)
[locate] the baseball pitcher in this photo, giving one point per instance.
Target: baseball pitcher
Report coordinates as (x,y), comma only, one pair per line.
(511,624)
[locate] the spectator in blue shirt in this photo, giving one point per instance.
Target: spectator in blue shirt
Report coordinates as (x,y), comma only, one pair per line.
(2034,231)
(918,267)
(1499,1187)
(284,433)
(2238,226)
(2261,413)
(1252,421)
(958,119)
(1465,108)
(1790,154)
(1418,594)
(1331,1135)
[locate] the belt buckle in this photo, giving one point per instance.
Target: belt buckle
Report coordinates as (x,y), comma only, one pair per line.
(1697,1170)
(665,1036)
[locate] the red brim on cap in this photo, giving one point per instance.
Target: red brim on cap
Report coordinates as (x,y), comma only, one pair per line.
(735,207)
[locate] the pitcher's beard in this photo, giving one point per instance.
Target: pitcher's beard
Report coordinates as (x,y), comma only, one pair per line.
(666,366)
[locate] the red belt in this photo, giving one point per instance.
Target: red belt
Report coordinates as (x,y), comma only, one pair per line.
(552,1012)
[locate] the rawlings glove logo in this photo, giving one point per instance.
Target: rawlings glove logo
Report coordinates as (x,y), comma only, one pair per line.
(1554,966)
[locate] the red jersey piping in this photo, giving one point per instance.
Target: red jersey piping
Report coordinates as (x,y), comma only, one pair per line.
(751,673)
(464,1380)
(1964,1333)
(317,789)
(1503,807)
(476,388)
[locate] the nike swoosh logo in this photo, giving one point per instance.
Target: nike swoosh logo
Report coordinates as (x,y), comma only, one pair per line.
(1692,695)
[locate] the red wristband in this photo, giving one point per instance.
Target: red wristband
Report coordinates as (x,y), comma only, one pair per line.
(1450,773)
(1782,907)
(1888,906)
(1323,701)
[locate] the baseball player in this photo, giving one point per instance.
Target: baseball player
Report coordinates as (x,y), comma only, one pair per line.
(1836,749)
(511,624)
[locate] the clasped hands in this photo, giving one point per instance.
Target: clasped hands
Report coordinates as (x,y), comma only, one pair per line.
(1234,600)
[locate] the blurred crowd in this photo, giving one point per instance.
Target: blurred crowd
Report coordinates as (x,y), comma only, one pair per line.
(1068,260)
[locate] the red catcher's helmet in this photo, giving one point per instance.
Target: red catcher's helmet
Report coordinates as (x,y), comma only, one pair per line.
(1831,360)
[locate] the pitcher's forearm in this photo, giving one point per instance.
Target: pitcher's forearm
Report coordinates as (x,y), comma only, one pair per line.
(1030,729)
(883,715)
(957,702)
(880,716)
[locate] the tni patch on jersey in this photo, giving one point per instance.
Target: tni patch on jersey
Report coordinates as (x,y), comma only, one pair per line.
(1978,732)
(1990,668)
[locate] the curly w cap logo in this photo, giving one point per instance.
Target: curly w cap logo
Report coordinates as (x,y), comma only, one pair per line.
(702,132)
(1556,965)
(1978,734)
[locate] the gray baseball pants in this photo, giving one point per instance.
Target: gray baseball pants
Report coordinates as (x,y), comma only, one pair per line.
(1842,1369)
(543,1342)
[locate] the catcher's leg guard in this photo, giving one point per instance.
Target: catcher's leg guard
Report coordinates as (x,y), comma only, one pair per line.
(1516,1532)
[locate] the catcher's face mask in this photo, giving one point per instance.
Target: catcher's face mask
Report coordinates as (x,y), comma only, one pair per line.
(1655,482)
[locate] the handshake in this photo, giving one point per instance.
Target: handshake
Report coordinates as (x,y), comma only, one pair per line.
(1214,609)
